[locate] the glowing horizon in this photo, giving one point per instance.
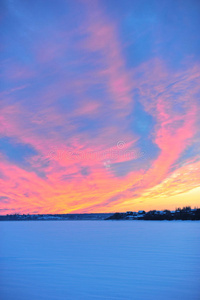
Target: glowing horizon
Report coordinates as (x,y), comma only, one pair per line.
(99,106)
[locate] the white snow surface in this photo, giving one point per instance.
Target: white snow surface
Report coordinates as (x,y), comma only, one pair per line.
(64,260)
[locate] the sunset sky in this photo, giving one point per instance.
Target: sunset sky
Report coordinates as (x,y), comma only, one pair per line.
(99,105)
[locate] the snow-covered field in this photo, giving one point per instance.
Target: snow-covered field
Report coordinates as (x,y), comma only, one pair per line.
(64,260)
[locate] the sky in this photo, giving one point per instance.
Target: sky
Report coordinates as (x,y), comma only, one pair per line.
(99,105)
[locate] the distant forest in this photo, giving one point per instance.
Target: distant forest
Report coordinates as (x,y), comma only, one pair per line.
(185,213)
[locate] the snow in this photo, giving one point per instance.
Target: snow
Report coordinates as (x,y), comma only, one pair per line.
(100,260)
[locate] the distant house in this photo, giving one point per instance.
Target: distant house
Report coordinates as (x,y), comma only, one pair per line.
(129,212)
(159,212)
(140,214)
